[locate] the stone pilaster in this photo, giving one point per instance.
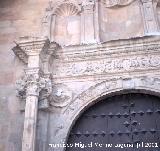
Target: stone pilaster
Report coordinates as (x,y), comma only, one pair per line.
(89,22)
(96,21)
(53,24)
(35,83)
(149,17)
(33,49)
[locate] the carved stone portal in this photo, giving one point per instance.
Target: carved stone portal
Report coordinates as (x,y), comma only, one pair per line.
(63,81)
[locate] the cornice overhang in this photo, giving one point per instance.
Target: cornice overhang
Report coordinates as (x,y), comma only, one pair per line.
(27,46)
(31,45)
(82,52)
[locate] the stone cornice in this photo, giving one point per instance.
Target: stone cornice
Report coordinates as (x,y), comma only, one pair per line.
(108,49)
(136,56)
(27,46)
(146,40)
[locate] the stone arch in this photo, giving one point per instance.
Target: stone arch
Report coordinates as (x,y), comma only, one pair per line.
(145,84)
(142,84)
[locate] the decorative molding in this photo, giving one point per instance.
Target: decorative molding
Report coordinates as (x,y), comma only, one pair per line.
(108,66)
(113,3)
(79,62)
(115,85)
(29,46)
(136,46)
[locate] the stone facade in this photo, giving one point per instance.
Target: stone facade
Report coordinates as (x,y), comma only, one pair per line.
(60,57)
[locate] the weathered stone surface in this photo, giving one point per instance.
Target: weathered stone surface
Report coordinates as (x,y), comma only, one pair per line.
(94,48)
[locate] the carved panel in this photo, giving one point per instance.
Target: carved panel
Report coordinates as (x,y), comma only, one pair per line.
(106,66)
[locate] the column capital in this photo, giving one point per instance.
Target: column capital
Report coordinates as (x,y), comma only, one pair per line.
(32,85)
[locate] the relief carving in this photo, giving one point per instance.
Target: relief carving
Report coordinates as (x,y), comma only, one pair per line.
(66,9)
(54,11)
(151,81)
(31,85)
(107,66)
(108,86)
(61,96)
(112,3)
(91,94)
(21,87)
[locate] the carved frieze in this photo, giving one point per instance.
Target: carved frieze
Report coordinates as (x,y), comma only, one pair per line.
(109,65)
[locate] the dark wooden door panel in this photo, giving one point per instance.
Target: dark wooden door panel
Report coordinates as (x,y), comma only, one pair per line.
(129,118)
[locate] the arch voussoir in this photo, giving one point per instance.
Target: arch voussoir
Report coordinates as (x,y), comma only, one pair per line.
(144,84)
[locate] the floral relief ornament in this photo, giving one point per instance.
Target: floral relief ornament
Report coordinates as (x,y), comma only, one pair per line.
(32,85)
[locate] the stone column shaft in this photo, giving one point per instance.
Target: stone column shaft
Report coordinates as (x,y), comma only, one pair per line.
(29,133)
(31,108)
